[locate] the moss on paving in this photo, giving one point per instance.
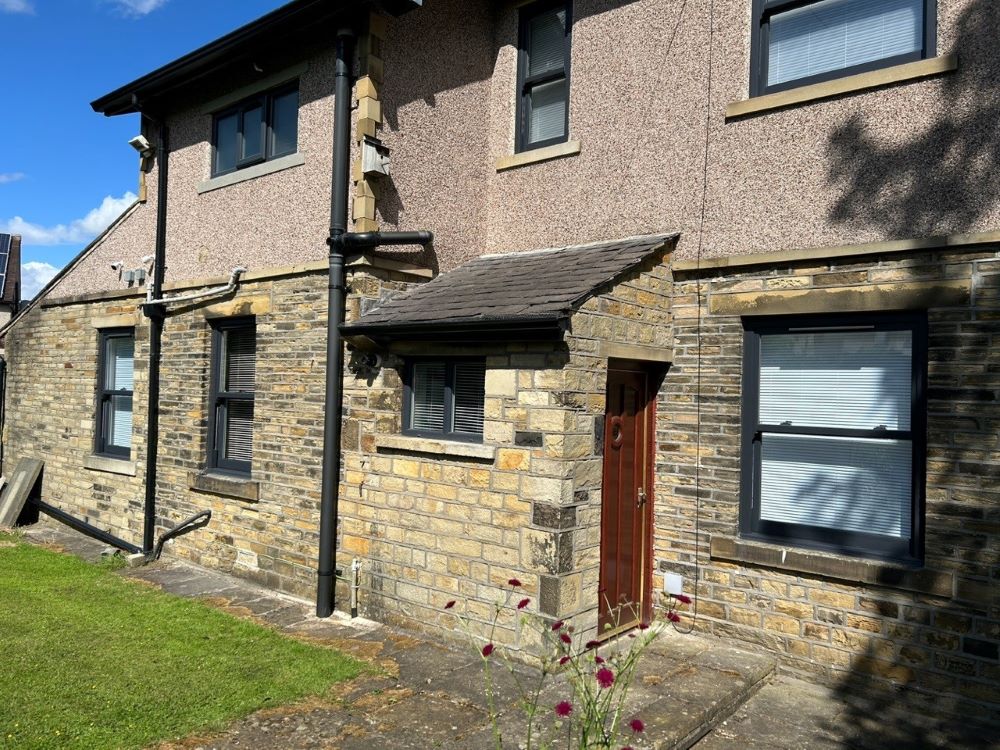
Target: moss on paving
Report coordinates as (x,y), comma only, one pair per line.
(91,660)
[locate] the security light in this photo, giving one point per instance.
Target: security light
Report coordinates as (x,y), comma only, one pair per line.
(141,144)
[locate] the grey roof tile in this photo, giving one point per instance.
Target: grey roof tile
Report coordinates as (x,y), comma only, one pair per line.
(536,285)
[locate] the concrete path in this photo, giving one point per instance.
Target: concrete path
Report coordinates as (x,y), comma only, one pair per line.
(429,696)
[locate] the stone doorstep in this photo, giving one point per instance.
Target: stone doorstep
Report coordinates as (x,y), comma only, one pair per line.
(685,685)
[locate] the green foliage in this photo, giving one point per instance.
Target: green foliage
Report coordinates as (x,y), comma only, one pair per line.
(91,660)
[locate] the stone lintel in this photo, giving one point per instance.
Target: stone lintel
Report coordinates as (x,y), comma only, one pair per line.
(874,297)
(612,350)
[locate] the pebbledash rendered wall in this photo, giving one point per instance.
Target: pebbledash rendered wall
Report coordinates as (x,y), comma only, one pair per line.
(936,630)
(433,521)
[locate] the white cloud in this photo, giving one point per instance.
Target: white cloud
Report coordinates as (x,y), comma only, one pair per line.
(6,177)
(16,6)
(77,232)
(135,8)
(34,275)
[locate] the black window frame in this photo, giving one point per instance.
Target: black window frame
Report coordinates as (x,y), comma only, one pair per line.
(447,432)
(908,552)
(763,10)
(102,432)
(264,100)
(525,83)
(219,400)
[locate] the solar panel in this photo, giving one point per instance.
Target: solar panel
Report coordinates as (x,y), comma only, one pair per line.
(4,257)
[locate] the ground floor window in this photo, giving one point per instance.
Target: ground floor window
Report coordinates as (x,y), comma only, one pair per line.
(444,398)
(234,370)
(115,383)
(834,432)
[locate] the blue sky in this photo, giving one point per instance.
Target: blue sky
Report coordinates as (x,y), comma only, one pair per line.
(66,172)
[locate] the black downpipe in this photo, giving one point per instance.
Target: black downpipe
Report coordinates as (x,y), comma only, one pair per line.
(83,527)
(335,316)
(156,315)
(3,407)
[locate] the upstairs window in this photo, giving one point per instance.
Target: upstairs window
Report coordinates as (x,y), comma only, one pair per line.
(114,388)
(798,42)
(234,371)
(444,399)
(834,427)
(543,74)
(257,129)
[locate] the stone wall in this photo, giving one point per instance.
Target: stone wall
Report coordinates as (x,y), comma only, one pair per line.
(935,630)
(434,521)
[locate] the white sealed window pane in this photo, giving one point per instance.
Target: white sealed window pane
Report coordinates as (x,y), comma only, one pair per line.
(851,380)
(427,411)
(238,433)
(835,34)
(470,391)
(253,144)
(546,42)
(121,421)
(240,347)
(226,136)
(548,111)
(837,483)
(285,123)
(119,361)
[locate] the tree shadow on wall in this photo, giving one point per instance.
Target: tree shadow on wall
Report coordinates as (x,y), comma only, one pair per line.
(928,678)
(945,178)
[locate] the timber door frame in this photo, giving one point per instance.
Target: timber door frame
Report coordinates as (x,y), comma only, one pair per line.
(652,376)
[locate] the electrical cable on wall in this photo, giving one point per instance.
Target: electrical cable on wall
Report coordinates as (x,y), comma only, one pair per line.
(701,239)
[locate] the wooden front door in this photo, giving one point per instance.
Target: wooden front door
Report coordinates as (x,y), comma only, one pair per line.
(626,507)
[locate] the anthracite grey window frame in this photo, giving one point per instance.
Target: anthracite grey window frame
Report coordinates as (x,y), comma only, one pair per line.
(906,551)
(264,100)
(448,432)
(526,83)
(103,444)
(764,10)
(219,400)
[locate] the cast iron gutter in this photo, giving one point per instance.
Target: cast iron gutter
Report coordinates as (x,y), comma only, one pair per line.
(246,41)
(540,328)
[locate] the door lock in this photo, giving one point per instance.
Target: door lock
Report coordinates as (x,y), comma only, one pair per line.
(641,497)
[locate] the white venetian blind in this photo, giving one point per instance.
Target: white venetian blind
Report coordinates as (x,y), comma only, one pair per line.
(852,380)
(470,379)
(239,430)
(836,34)
(546,55)
(546,42)
(121,421)
(427,408)
(120,363)
(847,484)
(241,359)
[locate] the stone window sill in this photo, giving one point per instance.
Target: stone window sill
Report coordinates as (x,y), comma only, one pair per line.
(846,85)
(250,173)
(536,155)
(828,565)
(224,484)
(443,448)
(110,465)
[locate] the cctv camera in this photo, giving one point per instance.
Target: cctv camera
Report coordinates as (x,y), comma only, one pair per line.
(147,259)
(141,144)
(117,265)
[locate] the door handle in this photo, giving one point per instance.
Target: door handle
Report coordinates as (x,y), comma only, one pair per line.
(641,497)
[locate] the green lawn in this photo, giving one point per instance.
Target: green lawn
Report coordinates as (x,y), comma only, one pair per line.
(91,660)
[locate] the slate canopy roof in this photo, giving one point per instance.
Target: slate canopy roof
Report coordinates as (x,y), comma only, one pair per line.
(518,296)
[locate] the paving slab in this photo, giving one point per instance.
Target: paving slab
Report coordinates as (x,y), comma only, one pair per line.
(425,695)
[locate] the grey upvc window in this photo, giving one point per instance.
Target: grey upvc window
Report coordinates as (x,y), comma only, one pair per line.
(260,128)
(797,42)
(834,430)
(543,74)
(444,399)
(114,392)
(231,401)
